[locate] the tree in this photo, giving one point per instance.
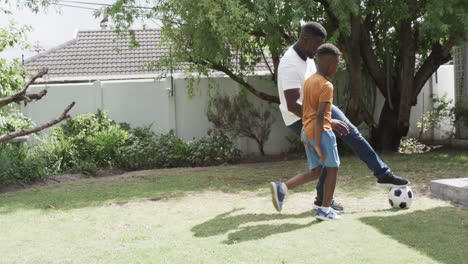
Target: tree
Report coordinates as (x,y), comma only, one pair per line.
(400,44)
(12,89)
(230,36)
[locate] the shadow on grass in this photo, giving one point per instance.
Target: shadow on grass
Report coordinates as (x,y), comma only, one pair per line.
(227,222)
(440,233)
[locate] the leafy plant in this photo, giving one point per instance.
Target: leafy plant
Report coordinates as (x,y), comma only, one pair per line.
(85,139)
(216,148)
(18,164)
(240,118)
(412,145)
(443,109)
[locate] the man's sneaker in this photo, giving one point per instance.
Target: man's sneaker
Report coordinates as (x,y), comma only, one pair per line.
(277,194)
(390,180)
(324,216)
(335,206)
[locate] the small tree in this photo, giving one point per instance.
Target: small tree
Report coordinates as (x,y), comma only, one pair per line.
(443,109)
(240,118)
(11,80)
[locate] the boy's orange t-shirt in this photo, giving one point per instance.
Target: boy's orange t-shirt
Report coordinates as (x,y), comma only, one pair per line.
(317,90)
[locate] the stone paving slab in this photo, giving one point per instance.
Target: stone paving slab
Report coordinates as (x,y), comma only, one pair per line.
(455,190)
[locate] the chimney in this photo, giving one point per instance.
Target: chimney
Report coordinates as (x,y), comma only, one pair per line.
(104,21)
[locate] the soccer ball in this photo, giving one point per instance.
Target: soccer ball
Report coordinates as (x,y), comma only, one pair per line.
(400,197)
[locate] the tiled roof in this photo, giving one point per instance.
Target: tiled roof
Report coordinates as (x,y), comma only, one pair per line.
(101,54)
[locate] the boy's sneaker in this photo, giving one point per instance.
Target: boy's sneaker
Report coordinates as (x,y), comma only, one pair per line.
(335,206)
(391,180)
(277,194)
(324,216)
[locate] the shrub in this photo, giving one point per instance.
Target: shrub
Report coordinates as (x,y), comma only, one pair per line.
(13,120)
(240,118)
(84,140)
(18,164)
(213,149)
(148,150)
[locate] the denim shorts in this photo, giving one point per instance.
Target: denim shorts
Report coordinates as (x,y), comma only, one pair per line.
(329,148)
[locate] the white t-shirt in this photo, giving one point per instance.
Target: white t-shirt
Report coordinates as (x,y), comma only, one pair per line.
(292,73)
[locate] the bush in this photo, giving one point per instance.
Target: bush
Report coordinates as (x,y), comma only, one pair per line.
(13,120)
(84,140)
(148,150)
(18,164)
(212,150)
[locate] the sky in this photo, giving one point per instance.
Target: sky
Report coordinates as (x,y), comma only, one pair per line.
(54,27)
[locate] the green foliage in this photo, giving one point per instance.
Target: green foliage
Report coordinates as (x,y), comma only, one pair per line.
(149,150)
(18,164)
(87,139)
(12,121)
(12,78)
(411,145)
(214,149)
(443,109)
(232,34)
(240,118)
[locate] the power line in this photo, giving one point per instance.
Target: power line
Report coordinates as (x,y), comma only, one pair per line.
(100,4)
(82,7)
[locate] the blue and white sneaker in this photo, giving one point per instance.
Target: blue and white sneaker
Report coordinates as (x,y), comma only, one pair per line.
(277,194)
(324,216)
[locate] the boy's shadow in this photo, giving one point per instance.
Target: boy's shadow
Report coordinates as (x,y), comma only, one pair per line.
(226,222)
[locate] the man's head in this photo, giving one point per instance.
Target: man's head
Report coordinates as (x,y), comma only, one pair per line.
(312,35)
(327,59)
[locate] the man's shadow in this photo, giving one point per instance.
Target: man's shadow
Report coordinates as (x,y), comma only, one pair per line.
(226,222)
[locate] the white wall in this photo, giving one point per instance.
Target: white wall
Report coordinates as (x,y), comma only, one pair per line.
(440,83)
(147,101)
(138,102)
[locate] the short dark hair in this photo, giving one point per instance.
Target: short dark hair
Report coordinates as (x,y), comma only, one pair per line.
(328,49)
(313,29)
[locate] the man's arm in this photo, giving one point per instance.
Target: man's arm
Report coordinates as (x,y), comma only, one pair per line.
(292,95)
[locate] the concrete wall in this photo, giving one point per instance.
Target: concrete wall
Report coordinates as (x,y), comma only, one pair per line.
(440,83)
(148,101)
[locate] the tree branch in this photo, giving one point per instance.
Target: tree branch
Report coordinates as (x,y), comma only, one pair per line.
(37,96)
(370,59)
(18,97)
(440,54)
(38,128)
(240,80)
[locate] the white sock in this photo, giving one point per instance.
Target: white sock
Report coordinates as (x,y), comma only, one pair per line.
(284,188)
(325,209)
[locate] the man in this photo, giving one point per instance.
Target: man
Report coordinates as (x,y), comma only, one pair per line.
(295,67)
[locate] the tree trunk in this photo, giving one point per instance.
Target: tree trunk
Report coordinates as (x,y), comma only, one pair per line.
(260,147)
(385,136)
(352,53)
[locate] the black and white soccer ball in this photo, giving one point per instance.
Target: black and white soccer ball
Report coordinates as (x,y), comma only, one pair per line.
(400,197)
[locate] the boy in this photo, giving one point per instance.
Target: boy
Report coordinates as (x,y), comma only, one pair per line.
(317,135)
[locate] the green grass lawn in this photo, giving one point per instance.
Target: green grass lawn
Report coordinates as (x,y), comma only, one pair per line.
(224,215)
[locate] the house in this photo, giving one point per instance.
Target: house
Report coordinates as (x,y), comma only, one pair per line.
(98,70)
